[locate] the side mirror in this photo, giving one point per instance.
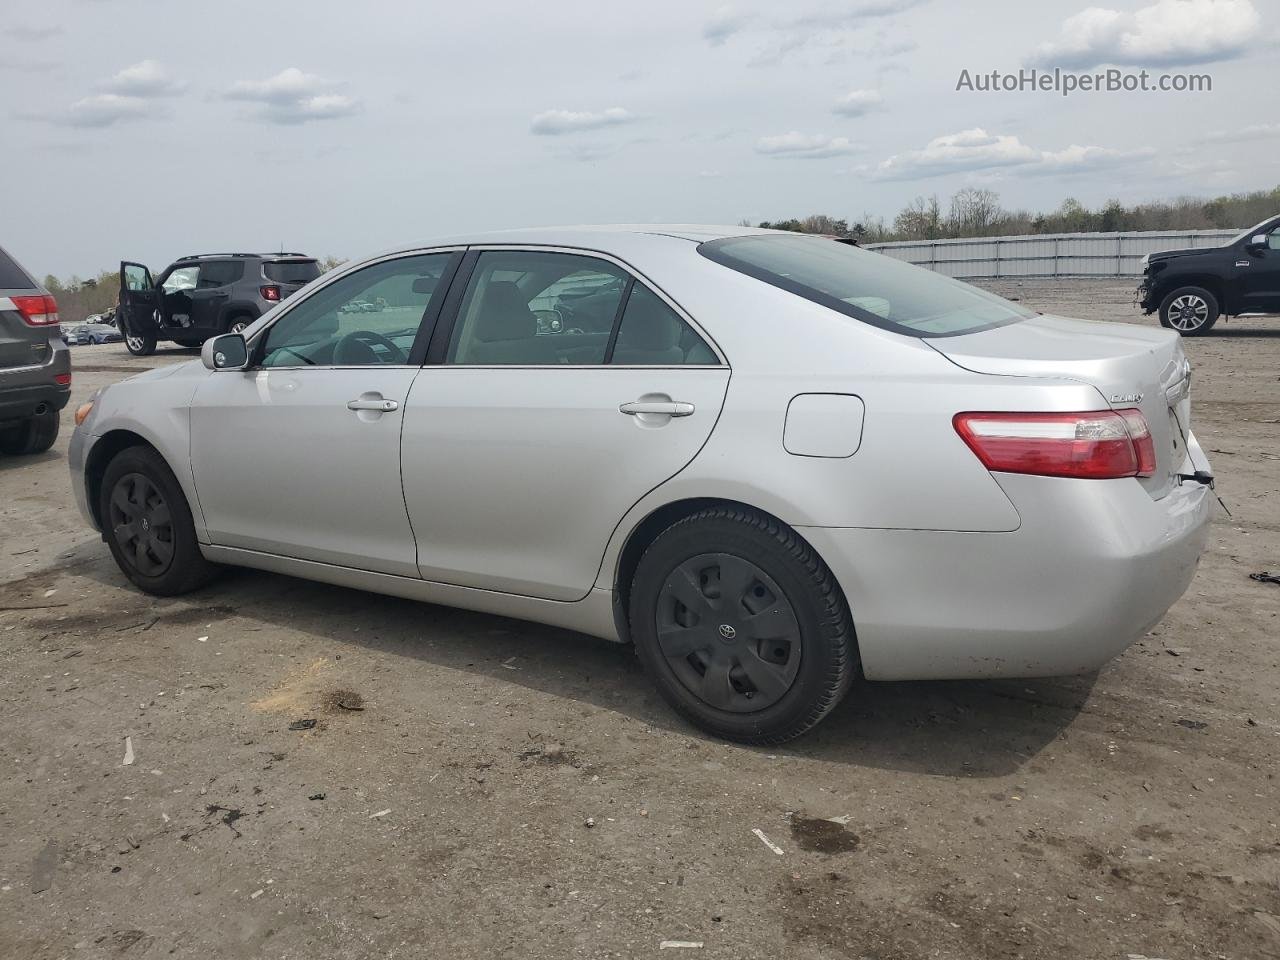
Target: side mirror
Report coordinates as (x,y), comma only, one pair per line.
(227,352)
(1257,242)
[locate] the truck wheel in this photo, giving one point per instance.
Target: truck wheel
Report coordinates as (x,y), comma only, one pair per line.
(34,435)
(742,626)
(1191,311)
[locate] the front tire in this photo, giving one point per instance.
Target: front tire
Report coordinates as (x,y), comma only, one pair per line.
(1192,311)
(147,525)
(138,344)
(36,434)
(238,323)
(742,626)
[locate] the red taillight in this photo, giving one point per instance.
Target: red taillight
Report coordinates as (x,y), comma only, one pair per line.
(1095,445)
(62,379)
(1142,442)
(270,293)
(39,311)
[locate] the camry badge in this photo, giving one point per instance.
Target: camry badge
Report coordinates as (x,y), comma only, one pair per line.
(1126,398)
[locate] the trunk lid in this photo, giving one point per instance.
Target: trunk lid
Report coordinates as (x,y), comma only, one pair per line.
(1130,366)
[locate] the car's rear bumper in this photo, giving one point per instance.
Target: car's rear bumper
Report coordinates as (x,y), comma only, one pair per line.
(1094,565)
(18,401)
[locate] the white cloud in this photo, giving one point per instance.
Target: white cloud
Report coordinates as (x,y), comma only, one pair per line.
(856,103)
(292,96)
(106,109)
(975,150)
(724,23)
(1166,33)
(796,145)
(553,123)
(145,79)
(851,14)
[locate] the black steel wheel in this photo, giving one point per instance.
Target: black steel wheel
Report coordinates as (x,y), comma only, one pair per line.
(742,626)
(147,524)
(142,524)
(728,632)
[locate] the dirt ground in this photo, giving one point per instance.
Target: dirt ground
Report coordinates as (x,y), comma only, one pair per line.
(321,773)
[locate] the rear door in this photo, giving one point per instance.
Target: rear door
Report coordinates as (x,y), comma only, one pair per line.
(138,300)
(532,433)
(212,291)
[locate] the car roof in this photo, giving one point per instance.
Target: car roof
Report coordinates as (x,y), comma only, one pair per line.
(243,256)
(592,234)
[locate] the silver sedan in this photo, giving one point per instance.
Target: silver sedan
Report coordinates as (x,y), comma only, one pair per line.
(769,461)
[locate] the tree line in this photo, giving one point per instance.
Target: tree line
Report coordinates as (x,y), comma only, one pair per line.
(974,212)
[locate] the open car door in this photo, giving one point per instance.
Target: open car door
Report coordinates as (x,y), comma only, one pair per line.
(136,316)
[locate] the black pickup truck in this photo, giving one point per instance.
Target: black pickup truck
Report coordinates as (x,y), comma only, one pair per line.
(1193,288)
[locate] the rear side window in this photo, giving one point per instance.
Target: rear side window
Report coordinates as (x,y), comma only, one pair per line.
(12,276)
(291,271)
(652,334)
(865,285)
(219,273)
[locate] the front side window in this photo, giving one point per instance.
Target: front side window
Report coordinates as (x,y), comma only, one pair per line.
(370,316)
(1273,239)
(136,277)
(865,285)
(537,308)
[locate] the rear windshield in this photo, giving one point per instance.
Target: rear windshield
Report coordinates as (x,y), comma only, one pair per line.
(291,271)
(12,276)
(868,286)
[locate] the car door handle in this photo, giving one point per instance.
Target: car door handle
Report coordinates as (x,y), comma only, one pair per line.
(381,406)
(671,408)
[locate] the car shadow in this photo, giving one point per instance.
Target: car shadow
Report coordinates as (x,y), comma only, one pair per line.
(944,728)
(17,462)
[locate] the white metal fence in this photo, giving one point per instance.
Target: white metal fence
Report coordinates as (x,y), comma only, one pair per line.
(1048,255)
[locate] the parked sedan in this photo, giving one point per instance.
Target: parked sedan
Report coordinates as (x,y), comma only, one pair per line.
(784,460)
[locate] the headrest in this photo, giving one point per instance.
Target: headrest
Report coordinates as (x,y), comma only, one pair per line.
(504,314)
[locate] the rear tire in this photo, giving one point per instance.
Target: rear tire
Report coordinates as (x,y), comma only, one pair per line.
(1192,311)
(742,627)
(36,434)
(237,323)
(147,525)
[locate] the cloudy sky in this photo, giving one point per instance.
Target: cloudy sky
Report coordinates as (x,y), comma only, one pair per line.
(146,130)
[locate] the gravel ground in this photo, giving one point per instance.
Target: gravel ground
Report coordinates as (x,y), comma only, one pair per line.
(467,786)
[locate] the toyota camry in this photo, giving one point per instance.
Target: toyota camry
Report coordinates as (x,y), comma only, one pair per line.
(771,462)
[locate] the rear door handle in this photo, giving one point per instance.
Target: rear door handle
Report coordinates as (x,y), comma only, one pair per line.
(671,408)
(381,406)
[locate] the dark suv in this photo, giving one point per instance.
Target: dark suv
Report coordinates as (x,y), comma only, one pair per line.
(1192,288)
(35,365)
(201,296)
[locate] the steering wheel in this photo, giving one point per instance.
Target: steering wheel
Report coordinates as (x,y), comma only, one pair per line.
(356,349)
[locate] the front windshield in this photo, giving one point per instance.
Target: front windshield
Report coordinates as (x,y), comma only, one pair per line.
(868,286)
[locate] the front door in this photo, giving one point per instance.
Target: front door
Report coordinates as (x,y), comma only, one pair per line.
(568,390)
(1260,280)
(300,454)
(138,301)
